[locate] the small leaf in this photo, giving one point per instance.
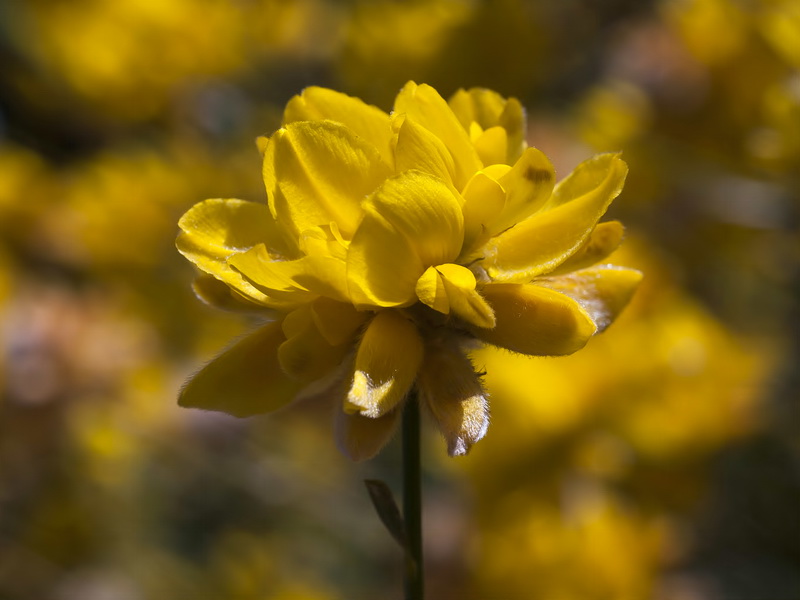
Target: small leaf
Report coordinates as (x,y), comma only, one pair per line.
(387,509)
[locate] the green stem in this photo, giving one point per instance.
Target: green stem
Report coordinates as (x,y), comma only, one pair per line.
(412,499)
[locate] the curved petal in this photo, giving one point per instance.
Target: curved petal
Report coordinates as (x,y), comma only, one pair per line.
(216,229)
(528,185)
(322,275)
(338,322)
(605,238)
(321,172)
(361,438)
(602,291)
(588,177)
(491,145)
(387,360)
(451,389)
(535,320)
(245,379)
(451,288)
(424,104)
(223,226)
(215,293)
(430,291)
(548,238)
(367,121)
(412,222)
(484,199)
(513,120)
(479,105)
(465,301)
(417,148)
(490,109)
(306,355)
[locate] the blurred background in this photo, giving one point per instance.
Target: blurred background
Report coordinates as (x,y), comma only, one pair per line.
(662,461)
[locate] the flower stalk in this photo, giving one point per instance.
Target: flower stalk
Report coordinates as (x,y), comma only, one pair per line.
(412,499)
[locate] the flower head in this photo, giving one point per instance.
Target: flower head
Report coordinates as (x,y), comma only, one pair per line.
(392,244)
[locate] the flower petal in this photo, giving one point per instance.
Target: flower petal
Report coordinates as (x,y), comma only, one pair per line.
(602,291)
(321,172)
(484,199)
(413,221)
(424,104)
(338,322)
(546,239)
(491,145)
(477,105)
(535,320)
(451,287)
(214,230)
(430,291)
(465,301)
(322,275)
(599,172)
(245,379)
(367,121)
(215,293)
(528,185)
(417,148)
(361,438)
(386,364)
(512,119)
(490,109)
(450,388)
(605,238)
(306,355)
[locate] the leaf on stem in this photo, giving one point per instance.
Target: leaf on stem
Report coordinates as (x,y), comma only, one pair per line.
(386,507)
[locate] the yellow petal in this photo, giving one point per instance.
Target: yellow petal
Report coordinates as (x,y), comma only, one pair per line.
(361,438)
(214,230)
(589,176)
(338,322)
(245,379)
(417,148)
(535,320)
(451,389)
(602,291)
(512,119)
(528,186)
(262,142)
(306,355)
(368,122)
(323,241)
(316,275)
(605,238)
(546,239)
(387,360)
(478,105)
(475,131)
(430,291)
(465,302)
(491,146)
(412,222)
(321,172)
(451,288)
(215,293)
(484,199)
(490,109)
(426,107)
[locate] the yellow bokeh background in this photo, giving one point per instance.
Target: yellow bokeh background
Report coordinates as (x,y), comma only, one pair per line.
(659,462)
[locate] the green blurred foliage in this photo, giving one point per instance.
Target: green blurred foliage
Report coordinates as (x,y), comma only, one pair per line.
(660,462)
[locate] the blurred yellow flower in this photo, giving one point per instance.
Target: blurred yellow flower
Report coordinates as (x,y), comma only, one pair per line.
(391,244)
(620,453)
(128,59)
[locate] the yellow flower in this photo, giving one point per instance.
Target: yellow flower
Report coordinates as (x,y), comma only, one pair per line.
(392,244)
